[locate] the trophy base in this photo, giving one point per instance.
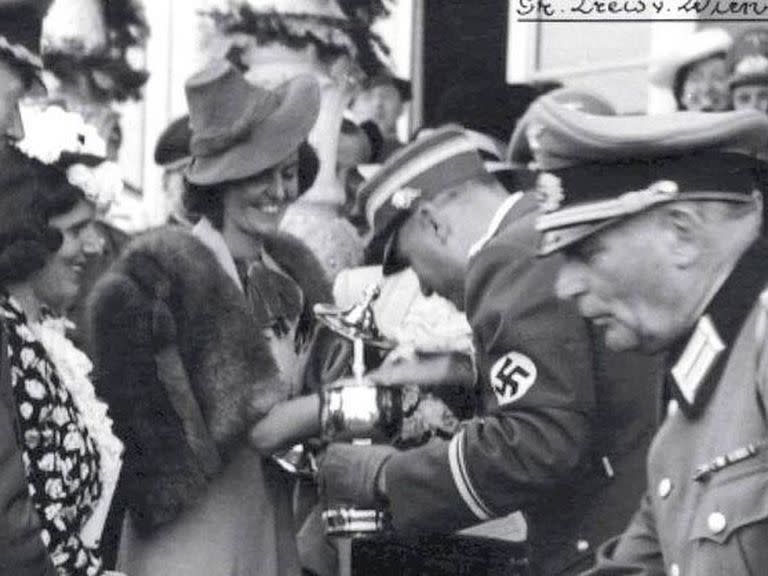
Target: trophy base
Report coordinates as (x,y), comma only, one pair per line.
(348,522)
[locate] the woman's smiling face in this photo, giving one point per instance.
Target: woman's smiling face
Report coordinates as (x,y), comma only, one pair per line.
(58,283)
(256,205)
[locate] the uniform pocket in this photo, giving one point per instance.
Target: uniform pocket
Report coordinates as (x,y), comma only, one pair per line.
(730,526)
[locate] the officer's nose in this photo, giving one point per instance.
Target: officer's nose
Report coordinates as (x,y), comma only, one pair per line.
(571,280)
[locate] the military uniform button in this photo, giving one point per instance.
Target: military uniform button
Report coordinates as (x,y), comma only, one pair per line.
(716,522)
(674,570)
(582,545)
(665,488)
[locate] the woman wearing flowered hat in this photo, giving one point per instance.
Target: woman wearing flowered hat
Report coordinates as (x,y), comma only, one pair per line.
(203,341)
(71,457)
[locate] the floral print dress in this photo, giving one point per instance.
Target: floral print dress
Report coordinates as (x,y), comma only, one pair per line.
(60,457)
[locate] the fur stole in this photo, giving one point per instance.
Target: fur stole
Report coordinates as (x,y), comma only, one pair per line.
(181,362)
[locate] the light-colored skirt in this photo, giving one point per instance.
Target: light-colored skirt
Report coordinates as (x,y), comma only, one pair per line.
(242,526)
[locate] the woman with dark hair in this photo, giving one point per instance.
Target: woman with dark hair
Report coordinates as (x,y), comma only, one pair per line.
(63,430)
(205,345)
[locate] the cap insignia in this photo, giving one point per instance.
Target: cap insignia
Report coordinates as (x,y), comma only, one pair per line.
(549,192)
(404,198)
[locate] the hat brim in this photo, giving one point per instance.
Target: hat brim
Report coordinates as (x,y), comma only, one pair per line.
(391,264)
(556,240)
(382,246)
(747,80)
(268,143)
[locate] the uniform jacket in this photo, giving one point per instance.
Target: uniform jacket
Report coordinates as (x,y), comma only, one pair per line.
(706,510)
(568,425)
(184,366)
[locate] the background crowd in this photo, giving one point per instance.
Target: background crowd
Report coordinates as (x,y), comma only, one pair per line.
(154,383)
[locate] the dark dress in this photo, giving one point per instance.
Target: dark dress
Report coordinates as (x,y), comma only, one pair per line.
(60,457)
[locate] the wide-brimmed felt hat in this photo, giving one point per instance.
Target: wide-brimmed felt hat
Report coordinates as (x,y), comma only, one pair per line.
(239,129)
(20,31)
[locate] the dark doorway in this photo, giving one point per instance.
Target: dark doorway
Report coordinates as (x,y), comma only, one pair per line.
(465,42)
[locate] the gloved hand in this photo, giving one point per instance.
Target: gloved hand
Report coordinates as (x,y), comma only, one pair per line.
(348,474)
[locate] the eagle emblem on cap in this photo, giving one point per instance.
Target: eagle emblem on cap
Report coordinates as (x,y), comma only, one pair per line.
(549,192)
(404,198)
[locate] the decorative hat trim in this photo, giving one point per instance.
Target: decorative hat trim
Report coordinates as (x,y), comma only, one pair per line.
(50,132)
(101,184)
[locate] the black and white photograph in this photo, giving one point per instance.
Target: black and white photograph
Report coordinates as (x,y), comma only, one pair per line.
(383,288)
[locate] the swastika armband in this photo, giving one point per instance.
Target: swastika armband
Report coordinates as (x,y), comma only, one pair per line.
(512,376)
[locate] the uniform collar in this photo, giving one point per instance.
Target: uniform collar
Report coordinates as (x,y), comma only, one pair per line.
(498,219)
(699,358)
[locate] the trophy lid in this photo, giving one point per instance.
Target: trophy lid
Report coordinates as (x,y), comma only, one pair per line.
(357,322)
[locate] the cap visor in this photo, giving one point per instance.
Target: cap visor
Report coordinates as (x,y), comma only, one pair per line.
(392,263)
(556,240)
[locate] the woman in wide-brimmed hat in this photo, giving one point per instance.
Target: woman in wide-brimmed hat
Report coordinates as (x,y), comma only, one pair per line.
(204,344)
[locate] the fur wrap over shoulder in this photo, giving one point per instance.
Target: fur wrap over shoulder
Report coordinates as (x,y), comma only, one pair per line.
(182,363)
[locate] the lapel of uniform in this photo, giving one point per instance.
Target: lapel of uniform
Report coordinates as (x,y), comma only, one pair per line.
(511,210)
(701,358)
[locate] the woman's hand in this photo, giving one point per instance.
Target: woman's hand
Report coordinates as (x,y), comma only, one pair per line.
(286,424)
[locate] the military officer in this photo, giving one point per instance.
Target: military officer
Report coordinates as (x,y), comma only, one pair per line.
(567,425)
(659,222)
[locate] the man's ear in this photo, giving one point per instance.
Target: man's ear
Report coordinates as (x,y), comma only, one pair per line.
(683,224)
